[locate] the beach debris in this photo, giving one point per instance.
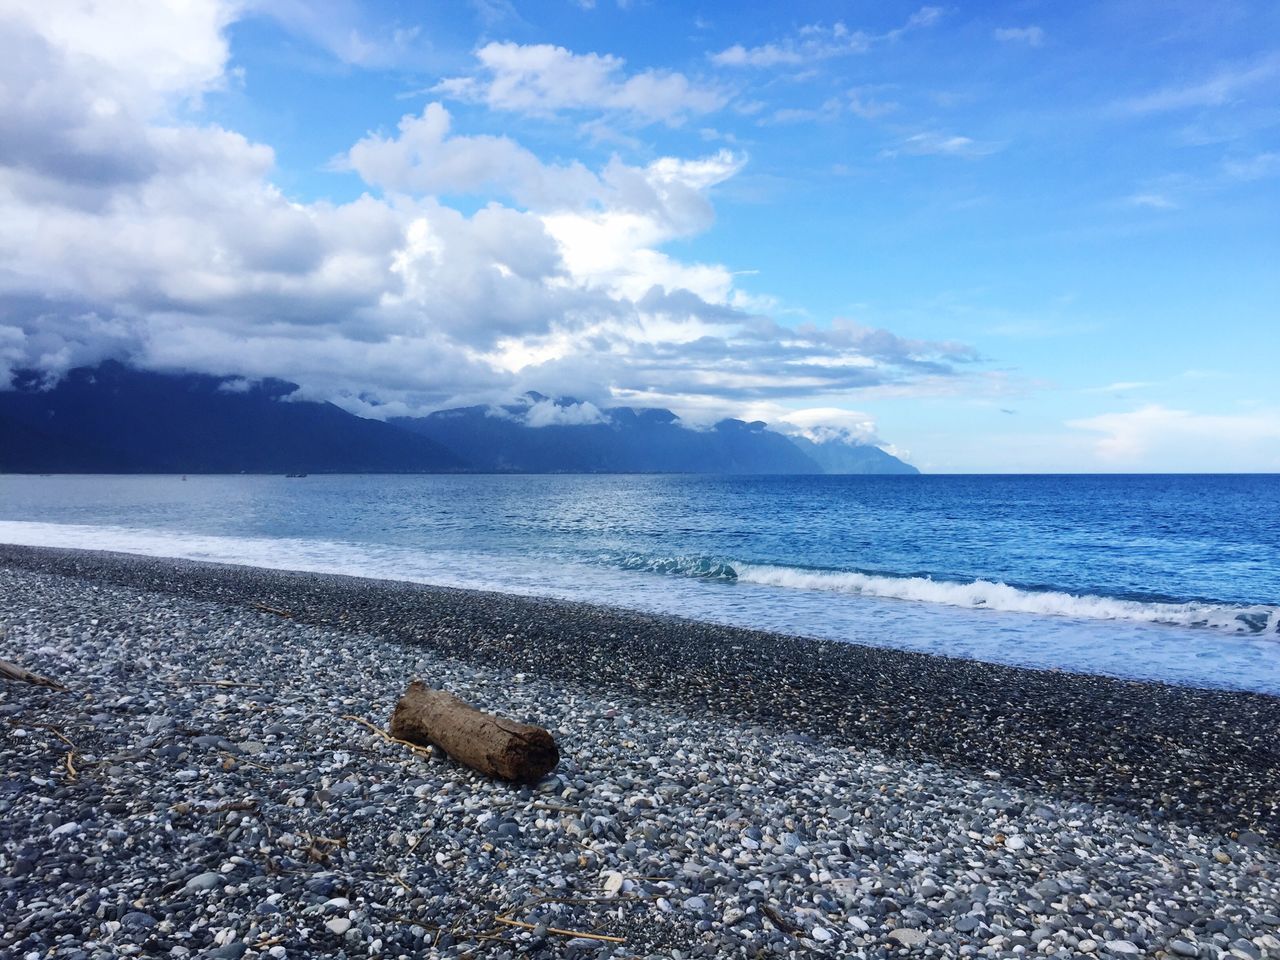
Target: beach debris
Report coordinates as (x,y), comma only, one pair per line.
(575,934)
(495,746)
(416,749)
(11,671)
(257,605)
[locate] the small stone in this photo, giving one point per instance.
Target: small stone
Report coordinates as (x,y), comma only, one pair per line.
(611,883)
(1184,949)
(1126,947)
(338,925)
(204,881)
(908,937)
(821,934)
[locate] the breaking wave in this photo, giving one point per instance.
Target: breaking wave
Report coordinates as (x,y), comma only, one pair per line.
(976,594)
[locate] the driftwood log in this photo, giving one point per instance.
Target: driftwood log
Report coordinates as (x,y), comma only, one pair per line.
(495,746)
(11,671)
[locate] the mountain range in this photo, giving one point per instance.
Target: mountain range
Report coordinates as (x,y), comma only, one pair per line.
(113,418)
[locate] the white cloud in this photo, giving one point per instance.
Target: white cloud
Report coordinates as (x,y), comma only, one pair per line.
(132,231)
(828,424)
(548,413)
(1219,90)
(425,158)
(345,29)
(542,78)
(863,103)
(940,144)
(817,42)
(1258,167)
(1030,36)
(1120,386)
(136,50)
(1152,201)
(1154,437)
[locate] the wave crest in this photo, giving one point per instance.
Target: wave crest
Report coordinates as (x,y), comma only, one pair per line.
(975,595)
(697,568)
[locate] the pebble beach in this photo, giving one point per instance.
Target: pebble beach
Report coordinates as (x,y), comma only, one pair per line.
(214,784)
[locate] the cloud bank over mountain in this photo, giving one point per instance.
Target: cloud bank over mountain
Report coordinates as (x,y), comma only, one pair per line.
(470,270)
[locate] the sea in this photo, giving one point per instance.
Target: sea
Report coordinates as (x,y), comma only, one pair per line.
(1169,578)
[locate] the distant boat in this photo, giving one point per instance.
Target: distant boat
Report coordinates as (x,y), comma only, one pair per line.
(290,475)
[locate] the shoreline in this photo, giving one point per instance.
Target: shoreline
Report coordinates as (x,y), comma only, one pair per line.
(207,789)
(1092,737)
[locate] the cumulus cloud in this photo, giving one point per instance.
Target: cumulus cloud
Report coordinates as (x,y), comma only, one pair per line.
(542,78)
(425,158)
(132,230)
(548,413)
(828,425)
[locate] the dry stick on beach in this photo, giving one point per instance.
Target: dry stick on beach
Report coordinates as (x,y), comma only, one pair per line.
(276,610)
(417,749)
(562,933)
(68,761)
(495,746)
(11,671)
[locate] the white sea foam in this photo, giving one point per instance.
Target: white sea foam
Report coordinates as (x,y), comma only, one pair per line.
(526,575)
(986,594)
(279,553)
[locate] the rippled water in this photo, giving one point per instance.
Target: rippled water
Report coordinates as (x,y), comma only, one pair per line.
(1168,577)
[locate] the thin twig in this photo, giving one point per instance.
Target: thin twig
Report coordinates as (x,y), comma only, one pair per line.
(233,805)
(563,933)
(242,759)
(555,809)
(416,748)
(68,760)
(276,610)
(407,888)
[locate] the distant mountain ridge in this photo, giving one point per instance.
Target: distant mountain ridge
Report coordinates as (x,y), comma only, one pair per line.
(116,419)
(578,438)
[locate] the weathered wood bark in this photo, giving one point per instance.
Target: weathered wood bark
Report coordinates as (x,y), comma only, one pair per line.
(495,746)
(11,671)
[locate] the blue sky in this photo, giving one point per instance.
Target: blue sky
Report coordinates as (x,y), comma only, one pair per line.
(993,237)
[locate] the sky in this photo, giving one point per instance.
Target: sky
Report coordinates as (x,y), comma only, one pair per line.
(990,237)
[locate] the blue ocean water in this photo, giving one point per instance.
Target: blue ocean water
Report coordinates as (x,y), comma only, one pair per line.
(1174,578)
